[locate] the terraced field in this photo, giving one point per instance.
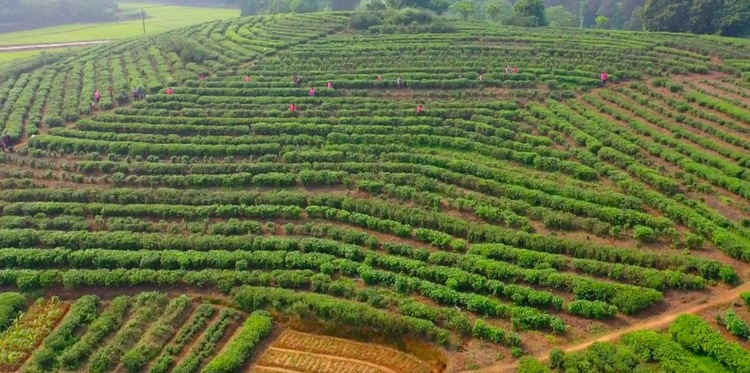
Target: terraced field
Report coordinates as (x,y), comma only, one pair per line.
(517,213)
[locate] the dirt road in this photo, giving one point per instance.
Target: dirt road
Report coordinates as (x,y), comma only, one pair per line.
(16,48)
(655,323)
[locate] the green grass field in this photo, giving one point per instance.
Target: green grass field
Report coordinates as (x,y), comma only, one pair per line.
(12,56)
(161,18)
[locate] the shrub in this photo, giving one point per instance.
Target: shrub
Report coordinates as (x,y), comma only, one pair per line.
(592,309)
(528,364)
(10,304)
(746,297)
(644,234)
(557,359)
(409,16)
(736,325)
(363,21)
(255,328)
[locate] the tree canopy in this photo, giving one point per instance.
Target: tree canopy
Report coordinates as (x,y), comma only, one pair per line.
(56,12)
(724,17)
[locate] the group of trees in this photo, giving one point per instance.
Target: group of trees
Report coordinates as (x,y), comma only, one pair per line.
(253,7)
(54,12)
(724,17)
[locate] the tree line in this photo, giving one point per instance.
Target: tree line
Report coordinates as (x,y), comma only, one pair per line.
(35,13)
(723,17)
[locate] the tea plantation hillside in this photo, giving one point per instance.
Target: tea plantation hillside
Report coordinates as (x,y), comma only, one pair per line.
(406,184)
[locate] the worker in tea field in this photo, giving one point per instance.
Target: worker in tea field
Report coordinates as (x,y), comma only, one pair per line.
(296,79)
(399,82)
(515,70)
(605,78)
(507,69)
(481,77)
(420,109)
(111,93)
(330,85)
(248,79)
(380,78)
(313,92)
(170,91)
(293,108)
(97,96)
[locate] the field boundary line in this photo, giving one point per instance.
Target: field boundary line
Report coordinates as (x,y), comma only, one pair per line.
(283,370)
(24,47)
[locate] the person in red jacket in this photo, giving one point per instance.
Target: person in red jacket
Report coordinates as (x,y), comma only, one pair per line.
(515,70)
(293,108)
(605,78)
(170,91)
(313,92)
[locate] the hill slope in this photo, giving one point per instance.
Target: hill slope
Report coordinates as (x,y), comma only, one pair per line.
(530,209)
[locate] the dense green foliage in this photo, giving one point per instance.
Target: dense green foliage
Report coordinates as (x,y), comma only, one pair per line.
(648,350)
(724,17)
(233,357)
(10,305)
(512,203)
(24,13)
(696,335)
(81,314)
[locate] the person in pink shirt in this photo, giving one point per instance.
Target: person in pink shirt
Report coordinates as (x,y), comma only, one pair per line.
(248,79)
(515,70)
(97,96)
(170,91)
(330,85)
(605,78)
(313,92)
(293,108)
(420,109)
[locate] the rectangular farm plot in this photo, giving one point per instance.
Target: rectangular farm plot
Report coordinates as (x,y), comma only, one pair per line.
(307,362)
(313,353)
(27,332)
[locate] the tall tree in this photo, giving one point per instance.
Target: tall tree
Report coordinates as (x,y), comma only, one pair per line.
(666,15)
(532,10)
(735,18)
(704,16)
(464,7)
(634,22)
(499,10)
(558,16)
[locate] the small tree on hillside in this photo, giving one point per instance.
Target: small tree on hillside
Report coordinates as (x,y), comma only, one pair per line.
(465,8)
(532,11)
(602,22)
(499,10)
